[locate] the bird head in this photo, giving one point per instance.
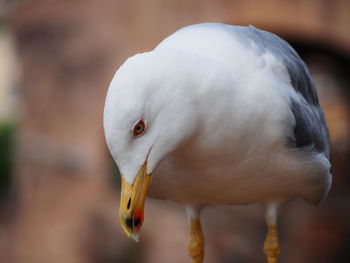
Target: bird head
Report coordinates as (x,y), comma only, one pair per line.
(147,115)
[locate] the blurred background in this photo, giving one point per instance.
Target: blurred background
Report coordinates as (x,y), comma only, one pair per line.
(59,189)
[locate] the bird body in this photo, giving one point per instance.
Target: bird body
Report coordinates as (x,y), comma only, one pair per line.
(232,118)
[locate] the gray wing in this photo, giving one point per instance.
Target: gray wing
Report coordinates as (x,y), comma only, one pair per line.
(310,130)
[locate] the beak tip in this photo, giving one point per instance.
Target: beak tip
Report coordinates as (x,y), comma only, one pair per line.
(135,237)
(129,232)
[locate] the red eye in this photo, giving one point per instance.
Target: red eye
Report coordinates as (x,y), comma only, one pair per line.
(139,128)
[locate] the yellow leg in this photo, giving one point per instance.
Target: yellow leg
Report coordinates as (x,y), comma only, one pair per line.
(271,245)
(196,241)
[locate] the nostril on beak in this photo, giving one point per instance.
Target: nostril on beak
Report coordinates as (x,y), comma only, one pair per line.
(129,203)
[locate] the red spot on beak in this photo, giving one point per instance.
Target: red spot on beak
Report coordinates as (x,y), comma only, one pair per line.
(137,220)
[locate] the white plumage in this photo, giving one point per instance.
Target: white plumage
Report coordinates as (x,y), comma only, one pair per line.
(232,118)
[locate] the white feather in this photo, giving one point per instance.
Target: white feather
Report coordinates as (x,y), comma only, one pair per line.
(218,115)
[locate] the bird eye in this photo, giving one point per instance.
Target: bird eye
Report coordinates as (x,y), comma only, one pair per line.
(139,128)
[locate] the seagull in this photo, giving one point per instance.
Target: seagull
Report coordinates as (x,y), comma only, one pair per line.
(217,114)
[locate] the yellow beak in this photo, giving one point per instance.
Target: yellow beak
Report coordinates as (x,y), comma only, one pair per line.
(132,203)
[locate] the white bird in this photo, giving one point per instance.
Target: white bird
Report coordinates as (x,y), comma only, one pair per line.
(217,114)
